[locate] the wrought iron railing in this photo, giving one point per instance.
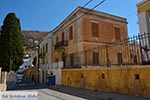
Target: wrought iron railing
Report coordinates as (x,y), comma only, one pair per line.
(61,44)
(131,51)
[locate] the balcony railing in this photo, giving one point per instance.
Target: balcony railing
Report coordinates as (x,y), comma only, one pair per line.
(61,44)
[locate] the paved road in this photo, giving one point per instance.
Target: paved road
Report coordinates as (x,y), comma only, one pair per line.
(99,95)
(45,93)
(68,93)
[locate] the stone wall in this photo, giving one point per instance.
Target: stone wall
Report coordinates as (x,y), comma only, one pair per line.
(11,80)
(3,85)
(125,80)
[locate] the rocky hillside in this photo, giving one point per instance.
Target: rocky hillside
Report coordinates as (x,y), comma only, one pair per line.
(30,37)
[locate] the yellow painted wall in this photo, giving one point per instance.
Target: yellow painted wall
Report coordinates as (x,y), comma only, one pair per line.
(117,80)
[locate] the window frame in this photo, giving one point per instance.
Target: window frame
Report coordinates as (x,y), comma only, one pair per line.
(117,33)
(95,29)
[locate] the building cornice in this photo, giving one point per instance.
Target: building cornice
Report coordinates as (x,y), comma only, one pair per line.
(142,2)
(143,6)
(89,11)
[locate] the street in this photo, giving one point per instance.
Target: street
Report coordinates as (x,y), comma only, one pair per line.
(68,93)
(45,93)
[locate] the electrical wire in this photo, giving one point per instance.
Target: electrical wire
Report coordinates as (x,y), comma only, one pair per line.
(83,14)
(87,3)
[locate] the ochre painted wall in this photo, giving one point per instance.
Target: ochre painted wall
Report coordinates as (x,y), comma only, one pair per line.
(116,80)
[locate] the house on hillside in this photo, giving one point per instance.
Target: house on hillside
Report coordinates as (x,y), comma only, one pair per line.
(34,49)
(44,61)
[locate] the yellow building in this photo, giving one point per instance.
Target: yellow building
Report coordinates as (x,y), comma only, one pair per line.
(83,37)
(144,25)
(44,60)
(144,16)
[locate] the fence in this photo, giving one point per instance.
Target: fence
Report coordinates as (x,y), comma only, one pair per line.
(131,51)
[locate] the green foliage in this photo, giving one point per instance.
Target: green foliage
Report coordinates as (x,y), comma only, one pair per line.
(11,43)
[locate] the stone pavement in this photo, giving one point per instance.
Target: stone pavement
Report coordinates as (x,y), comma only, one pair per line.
(95,94)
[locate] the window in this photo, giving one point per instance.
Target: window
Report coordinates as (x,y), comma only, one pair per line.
(63,36)
(95,58)
(70,32)
(137,76)
(95,29)
(103,76)
(117,34)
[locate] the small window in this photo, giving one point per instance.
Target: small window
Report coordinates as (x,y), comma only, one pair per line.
(95,29)
(137,77)
(103,76)
(70,32)
(81,76)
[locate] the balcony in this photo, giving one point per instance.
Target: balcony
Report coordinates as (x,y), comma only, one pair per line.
(61,44)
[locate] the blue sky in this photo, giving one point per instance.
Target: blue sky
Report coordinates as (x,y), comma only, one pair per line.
(45,15)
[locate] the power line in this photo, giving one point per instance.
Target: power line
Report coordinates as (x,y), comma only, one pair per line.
(84,13)
(88,3)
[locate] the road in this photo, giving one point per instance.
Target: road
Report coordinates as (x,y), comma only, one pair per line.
(69,93)
(45,93)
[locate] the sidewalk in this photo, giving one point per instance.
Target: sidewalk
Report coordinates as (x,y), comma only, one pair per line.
(94,94)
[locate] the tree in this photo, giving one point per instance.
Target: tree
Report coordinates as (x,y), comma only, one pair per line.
(11,44)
